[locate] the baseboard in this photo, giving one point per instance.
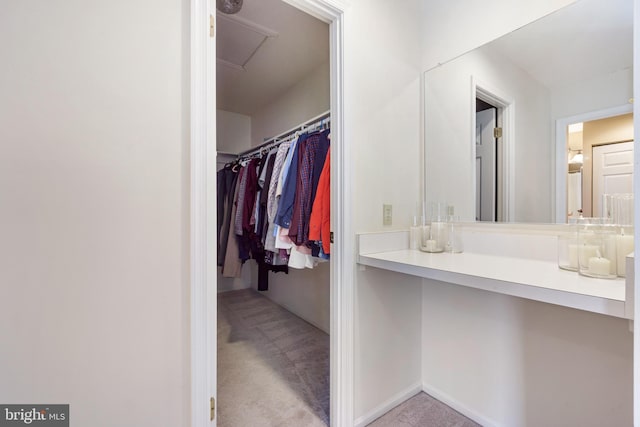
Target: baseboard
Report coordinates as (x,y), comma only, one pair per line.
(298,313)
(458,406)
(306,312)
(231,286)
(388,405)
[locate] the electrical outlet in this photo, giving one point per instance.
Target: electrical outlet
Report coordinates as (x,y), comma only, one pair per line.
(386,215)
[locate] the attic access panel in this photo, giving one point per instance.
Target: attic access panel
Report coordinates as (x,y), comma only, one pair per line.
(239,39)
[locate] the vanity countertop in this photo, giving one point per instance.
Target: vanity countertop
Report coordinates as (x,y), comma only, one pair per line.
(535,279)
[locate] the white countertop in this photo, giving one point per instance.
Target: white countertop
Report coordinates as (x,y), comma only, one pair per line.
(539,280)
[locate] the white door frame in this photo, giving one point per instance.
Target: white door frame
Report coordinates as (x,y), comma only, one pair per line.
(202,216)
(562,154)
(203,220)
(506,118)
(636,213)
(486,177)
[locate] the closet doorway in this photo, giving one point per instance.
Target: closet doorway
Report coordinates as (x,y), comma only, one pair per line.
(272,75)
(492,138)
(203,218)
(486,161)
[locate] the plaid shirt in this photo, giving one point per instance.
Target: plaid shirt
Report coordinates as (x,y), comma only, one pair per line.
(310,159)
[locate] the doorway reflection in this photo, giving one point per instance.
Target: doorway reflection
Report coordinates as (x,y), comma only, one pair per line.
(600,161)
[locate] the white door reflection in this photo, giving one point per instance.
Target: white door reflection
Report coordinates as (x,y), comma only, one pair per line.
(600,154)
(486,161)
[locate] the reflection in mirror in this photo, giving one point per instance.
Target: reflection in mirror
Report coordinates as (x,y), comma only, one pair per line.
(493,116)
(600,161)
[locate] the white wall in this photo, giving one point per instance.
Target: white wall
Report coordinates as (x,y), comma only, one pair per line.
(524,363)
(233,132)
(611,90)
(304,100)
(303,292)
(94,196)
(226,284)
(481,22)
(382,130)
(508,361)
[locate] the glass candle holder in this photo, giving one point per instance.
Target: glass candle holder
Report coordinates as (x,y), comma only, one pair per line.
(624,246)
(453,236)
(437,212)
(618,208)
(568,251)
(415,234)
(597,248)
(425,234)
(437,238)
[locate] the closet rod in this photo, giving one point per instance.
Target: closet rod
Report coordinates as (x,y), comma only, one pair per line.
(274,139)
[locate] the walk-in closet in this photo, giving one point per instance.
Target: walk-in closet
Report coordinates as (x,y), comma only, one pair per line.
(273,185)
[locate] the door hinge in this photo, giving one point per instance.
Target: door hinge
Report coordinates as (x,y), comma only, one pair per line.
(212,26)
(331,236)
(497,132)
(213,408)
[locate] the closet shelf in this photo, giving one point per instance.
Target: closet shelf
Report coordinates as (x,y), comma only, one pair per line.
(534,279)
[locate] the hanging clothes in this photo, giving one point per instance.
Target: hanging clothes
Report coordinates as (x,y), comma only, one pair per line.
(310,166)
(251,190)
(242,185)
(290,173)
(320,221)
(226,179)
(232,267)
(264,182)
(273,198)
(272,195)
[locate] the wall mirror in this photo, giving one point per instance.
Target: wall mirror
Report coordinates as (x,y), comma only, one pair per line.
(497,118)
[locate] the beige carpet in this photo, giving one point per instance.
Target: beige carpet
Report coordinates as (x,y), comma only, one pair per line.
(423,410)
(273,370)
(273,367)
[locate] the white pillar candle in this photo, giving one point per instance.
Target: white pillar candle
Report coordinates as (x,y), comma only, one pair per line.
(610,244)
(431,245)
(573,256)
(586,252)
(624,246)
(599,266)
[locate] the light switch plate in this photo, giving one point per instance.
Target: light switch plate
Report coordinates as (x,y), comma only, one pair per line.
(387,215)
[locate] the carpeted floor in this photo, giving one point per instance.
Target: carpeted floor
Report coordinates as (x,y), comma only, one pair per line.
(273,370)
(273,367)
(423,410)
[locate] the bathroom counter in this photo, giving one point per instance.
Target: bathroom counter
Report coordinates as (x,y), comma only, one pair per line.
(535,279)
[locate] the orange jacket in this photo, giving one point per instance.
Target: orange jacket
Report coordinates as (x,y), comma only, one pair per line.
(320,221)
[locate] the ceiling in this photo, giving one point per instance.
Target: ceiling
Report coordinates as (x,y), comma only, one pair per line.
(264,50)
(588,38)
